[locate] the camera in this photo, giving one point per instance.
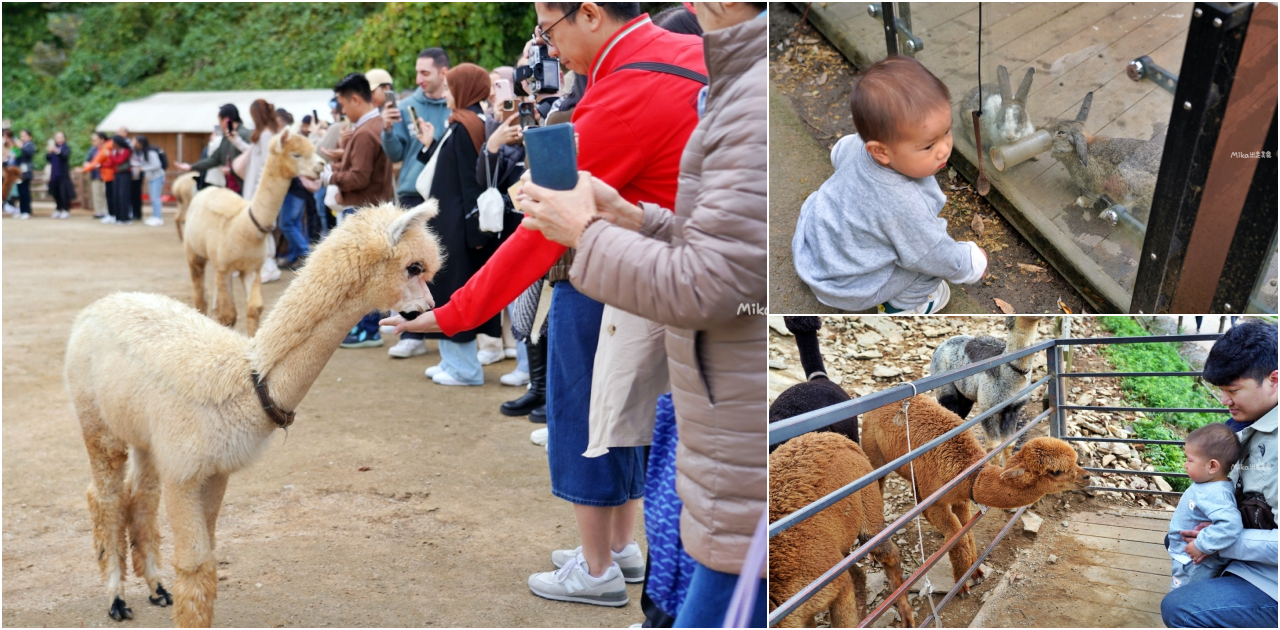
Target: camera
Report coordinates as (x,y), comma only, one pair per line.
(542,73)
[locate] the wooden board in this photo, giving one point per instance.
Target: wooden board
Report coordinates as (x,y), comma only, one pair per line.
(1118,532)
(1124,521)
(1146,550)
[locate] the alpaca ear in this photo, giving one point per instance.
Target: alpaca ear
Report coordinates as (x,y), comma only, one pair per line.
(277,143)
(417,216)
(1015,470)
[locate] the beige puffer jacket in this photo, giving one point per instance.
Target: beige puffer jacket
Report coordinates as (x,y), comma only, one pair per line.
(702,273)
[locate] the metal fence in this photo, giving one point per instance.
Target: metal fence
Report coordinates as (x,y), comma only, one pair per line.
(1056,381)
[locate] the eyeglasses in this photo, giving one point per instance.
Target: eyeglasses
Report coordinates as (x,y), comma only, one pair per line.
(546,35)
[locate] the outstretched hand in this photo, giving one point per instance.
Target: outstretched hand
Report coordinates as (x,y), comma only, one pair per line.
(561,215)
(424,323)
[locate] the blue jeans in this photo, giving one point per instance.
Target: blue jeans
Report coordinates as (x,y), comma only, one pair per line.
(155,188)
(611,479)
(291,225)
(322,213)
(458,359)
(522,357)
(1225,602)
(707,602)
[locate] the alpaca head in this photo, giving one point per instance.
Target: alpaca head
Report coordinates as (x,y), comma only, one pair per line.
(1045,465)
(386,254)
(292,154)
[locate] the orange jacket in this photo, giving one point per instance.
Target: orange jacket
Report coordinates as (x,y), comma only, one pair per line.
(106,167)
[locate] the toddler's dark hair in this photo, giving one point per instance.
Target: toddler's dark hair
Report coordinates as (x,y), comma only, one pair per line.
(1216,441)
(892,91)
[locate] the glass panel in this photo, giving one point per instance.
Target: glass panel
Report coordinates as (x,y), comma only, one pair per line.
(1263,298)
(1093,207)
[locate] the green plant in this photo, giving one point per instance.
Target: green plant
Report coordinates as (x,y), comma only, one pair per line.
(1165,457)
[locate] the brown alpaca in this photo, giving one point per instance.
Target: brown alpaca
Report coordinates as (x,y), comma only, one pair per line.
(802,471)
(227,230)
(168,399)
(1043,466)
(183,189)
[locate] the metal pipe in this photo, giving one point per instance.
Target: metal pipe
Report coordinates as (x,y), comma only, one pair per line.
(921,571)
(1014,153)
(1102,374)
(804,423)
(1107,341)
(1125,440)
(1148,409)
(812,589)
(1126,471)
(801,514)
(976,563)
(1160,492)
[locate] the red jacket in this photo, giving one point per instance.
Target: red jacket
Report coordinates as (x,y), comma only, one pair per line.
(632,128)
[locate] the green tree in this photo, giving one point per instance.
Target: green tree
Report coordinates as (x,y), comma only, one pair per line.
(489,34)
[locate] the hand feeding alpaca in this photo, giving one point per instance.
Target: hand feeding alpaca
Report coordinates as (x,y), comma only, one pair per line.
(1044,466)
(802,471)
(185,402)
(991,387)
(227,230)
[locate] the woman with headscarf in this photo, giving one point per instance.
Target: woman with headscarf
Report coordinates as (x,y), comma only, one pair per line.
(455,188)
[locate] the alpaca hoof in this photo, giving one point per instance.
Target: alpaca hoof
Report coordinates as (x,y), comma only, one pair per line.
(162,597)
(978,576)
(964,592)
(119,611)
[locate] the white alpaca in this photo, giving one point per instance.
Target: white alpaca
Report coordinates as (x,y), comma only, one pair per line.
(158,386)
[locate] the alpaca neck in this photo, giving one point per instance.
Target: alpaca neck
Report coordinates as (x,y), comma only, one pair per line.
(991,490)
(269,196)
(302,331)
(1022,334)
(810,353)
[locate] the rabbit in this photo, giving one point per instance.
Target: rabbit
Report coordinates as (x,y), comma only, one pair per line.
(1121,170)
(1004,114)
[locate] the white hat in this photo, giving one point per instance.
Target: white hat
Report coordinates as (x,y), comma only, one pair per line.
(377,77)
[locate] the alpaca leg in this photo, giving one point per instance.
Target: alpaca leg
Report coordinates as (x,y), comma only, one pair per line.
(968,546)
(225,306)
(850,603)
(943,520)
(196,587)
(108,457)
(211,497)
(890,558)
(144,528)
(253,289)
(197,264)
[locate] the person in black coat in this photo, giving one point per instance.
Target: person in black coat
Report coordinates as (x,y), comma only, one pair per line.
(455,187)
(60,187)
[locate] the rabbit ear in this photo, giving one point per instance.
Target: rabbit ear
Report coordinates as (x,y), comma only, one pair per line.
(1082,145)
(1025,88)
(1084,108)
(1006,91)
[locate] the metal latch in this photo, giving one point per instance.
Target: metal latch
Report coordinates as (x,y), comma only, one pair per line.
(914,44)
(1144,68)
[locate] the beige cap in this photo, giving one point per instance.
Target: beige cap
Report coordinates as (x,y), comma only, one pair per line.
(377,77)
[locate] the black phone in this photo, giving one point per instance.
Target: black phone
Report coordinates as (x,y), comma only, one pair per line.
(527,118)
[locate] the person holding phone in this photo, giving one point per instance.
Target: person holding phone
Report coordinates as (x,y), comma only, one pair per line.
(229,124)
(58,154)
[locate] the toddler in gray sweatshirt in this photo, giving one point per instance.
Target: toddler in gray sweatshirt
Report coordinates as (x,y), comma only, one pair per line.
(871,235)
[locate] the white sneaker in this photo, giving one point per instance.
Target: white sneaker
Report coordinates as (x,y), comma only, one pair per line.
(270,271)
(433,371)
(931,305)
(488,357)
(408,348)
(515,379)
(539,436)
(153,222)
(510,353)
(443,378)
(630,560)
(107,220)
(572,583)
(24,216)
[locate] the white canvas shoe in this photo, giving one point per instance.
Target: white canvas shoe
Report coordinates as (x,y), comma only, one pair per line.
(407,348)
(444,378)
(516,378)
(270,271)
(572,583)
(488,357)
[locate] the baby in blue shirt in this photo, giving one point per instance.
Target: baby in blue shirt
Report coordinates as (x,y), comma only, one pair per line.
(1211,452)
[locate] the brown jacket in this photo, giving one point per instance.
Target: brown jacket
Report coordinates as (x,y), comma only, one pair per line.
(701,272)
(363,172)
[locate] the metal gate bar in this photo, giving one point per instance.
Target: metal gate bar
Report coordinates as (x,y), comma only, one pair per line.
(976,563)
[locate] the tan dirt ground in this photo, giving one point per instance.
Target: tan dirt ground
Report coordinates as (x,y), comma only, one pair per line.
(443,530)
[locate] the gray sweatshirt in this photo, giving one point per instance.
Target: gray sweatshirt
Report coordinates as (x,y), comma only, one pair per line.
(871,235)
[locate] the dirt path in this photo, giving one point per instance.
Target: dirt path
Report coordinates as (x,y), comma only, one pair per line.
(817,80)
(907,343)
(443,530)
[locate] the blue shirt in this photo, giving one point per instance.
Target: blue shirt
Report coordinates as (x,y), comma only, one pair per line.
(1213,501)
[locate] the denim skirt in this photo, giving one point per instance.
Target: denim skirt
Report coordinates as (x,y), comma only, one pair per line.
(573,328)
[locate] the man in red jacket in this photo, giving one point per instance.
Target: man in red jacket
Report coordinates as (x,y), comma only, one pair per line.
(632,124)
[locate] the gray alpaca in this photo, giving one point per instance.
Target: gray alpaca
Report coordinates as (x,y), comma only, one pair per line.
(993,386)
(1121,170)
(1004,114)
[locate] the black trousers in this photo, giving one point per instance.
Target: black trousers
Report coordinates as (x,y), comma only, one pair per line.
(135,198)
(62,193)
(24,196)
(123,210)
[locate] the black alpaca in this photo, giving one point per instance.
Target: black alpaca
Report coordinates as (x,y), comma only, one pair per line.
(819,391)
